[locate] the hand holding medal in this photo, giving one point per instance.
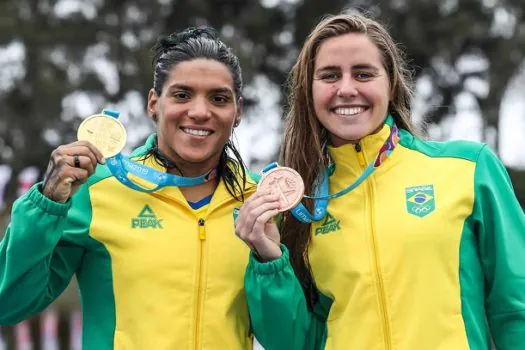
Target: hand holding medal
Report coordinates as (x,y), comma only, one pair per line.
(279,190)
(72,164)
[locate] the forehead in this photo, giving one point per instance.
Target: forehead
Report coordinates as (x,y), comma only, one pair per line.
(347,50)
(201,72)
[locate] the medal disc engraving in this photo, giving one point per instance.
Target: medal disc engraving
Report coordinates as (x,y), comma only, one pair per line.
(285,181)
(104,132)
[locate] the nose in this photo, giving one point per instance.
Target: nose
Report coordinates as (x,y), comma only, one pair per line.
(199,109)
(347,87)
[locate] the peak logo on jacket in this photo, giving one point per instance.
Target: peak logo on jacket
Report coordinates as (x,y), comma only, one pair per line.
(330,224)
(146,219)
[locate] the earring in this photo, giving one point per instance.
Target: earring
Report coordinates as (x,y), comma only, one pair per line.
(236,124)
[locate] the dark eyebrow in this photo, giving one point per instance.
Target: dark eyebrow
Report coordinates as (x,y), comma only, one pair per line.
(222,90)
(219,90)
(180,87)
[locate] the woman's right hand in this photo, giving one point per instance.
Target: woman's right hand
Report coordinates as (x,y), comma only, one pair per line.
(69,167)
(256,228)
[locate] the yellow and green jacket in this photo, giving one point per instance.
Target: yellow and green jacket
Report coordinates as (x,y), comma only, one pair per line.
(428,253)
(153,273)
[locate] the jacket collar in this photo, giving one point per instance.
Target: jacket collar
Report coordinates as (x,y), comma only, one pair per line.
(354,158)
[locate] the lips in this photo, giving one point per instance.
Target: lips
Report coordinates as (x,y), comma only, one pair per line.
(349,111)
(196,132)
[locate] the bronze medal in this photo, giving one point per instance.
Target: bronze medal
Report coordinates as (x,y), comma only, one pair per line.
(285,181)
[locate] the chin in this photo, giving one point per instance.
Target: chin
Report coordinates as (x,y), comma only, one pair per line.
(359,132)
(198,158)
(340,140)
(194,159)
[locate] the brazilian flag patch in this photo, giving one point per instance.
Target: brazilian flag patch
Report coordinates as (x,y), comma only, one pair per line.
(420,200)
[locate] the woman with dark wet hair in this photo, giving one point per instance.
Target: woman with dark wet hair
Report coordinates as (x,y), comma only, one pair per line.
(156,270)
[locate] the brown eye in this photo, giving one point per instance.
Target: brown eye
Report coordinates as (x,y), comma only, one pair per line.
(220,99)
(181,95)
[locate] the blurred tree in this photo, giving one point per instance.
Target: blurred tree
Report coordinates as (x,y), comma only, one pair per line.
(443,36)
(55,51)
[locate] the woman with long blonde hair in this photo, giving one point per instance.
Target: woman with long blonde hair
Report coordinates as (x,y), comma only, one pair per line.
(401,243)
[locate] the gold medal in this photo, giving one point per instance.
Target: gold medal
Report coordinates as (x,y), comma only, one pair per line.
(104,132)
(285,181)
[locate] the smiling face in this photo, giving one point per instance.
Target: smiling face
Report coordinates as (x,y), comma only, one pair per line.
(195,113)
(350,88)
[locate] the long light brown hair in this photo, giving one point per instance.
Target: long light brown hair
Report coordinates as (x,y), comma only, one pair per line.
(304,136)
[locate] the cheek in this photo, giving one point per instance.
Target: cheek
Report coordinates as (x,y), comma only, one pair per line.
(322,95)
(384,89)
(173,115)
(168,122)
(227,123)
(377,94)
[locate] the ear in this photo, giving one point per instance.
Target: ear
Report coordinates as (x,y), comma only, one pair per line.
(153,98)
(238,114)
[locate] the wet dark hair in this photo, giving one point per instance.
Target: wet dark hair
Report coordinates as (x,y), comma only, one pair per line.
(190,44)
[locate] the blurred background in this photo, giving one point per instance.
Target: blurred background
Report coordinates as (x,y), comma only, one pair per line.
(61,61)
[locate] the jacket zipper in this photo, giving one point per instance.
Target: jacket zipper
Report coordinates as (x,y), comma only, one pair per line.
(199,298)
(377,262)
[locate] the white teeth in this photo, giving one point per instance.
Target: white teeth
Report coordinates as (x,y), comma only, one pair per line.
(196,132)
(349,111)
